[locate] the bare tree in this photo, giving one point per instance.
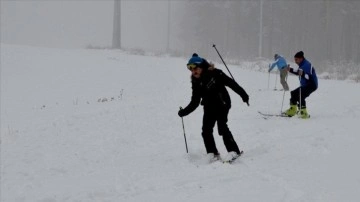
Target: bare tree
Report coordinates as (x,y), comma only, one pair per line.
(326,30)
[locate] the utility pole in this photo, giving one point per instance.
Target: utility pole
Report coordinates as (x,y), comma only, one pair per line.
(261,28)
(168,27)
(116,42)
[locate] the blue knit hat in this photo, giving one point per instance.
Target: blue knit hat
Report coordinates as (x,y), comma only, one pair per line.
(195,59)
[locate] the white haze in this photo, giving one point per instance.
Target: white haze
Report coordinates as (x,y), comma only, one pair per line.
(77,24)
(326,30)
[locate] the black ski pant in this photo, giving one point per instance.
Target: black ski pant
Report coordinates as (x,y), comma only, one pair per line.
(219,115)
(305,92)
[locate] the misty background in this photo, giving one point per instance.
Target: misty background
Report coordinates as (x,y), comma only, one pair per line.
(328,31)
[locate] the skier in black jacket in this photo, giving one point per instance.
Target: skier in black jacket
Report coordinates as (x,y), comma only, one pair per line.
(208,88)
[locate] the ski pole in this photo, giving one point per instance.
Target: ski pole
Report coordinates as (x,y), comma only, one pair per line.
(182,119)
(300,93)
(282,103)
(269,81)
(276,76)
(223,61)
(226,66)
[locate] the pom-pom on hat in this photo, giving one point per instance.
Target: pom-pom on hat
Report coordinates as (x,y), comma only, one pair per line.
(195,59)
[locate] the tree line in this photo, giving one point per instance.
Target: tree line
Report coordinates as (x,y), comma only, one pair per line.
(328,31)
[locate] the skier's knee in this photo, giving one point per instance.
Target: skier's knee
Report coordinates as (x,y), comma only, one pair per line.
(223,130)
(206,130)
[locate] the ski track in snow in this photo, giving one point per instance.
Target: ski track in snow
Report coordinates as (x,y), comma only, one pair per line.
(61,141)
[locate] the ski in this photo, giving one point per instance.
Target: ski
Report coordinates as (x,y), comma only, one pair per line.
(277,115)
(233,159)
(270,89)
(266,116)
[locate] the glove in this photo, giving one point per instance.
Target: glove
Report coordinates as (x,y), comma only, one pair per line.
(246,99)
(181,112)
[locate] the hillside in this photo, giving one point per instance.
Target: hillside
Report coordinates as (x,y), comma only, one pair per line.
(102,125)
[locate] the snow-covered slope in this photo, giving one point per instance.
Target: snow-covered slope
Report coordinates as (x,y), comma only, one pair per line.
(102,125)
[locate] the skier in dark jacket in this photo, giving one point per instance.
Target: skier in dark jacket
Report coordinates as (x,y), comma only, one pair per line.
(208,89)
(308,84)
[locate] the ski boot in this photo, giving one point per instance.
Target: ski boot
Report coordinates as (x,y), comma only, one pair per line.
(211,157)
(303,114)
(291,111)
(232,156)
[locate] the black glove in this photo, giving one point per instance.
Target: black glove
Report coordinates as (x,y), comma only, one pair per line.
(181,112)
(246,99)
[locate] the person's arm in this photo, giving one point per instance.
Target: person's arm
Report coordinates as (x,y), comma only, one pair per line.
(234,86)
(195,100)
(271,67)
(308,73)
(291,70)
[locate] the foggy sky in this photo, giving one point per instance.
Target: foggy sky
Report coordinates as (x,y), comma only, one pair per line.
(327,30)
(76,24)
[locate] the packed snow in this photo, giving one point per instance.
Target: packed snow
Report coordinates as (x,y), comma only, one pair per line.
(102,125)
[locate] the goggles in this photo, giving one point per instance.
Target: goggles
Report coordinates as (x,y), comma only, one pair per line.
(191,66)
